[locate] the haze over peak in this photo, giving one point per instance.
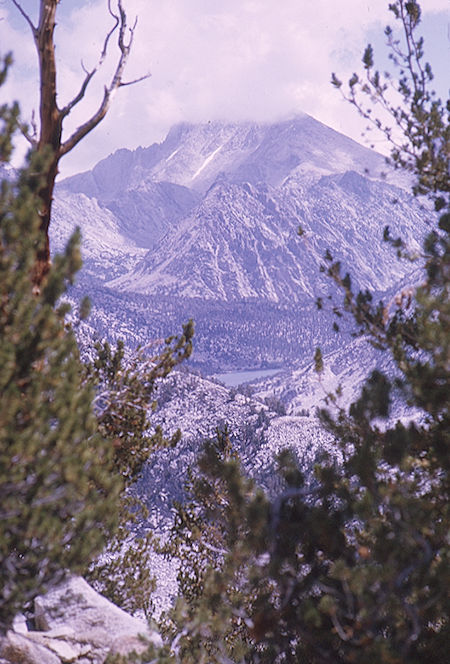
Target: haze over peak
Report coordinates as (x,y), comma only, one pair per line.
(195,155)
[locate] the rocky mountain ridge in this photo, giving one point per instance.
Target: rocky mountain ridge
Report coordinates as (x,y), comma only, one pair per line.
(196,155)
(243,241)
(228,223)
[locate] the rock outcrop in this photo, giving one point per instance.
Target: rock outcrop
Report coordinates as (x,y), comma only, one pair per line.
(73,623)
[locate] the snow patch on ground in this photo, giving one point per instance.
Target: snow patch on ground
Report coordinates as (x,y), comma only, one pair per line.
(206,162)
(173,154)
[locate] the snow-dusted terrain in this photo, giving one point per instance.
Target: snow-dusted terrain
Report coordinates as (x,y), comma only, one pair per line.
(242,241)
(228,223)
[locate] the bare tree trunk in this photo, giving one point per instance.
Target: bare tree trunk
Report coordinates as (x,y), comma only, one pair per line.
(51,117)
(50,127)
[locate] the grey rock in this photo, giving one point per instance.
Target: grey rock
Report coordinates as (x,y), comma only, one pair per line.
(20,624)
(66,651)
(75,624)
(93,618)
(19,649)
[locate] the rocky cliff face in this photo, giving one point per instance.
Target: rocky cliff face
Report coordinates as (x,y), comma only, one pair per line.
(243,240)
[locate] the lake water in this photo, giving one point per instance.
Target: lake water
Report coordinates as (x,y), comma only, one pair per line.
(235,378)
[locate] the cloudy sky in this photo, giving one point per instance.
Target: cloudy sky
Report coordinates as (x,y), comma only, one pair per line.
(258,60)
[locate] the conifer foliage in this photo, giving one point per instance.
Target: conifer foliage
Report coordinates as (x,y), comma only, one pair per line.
(215,539)
(58,489)
(126,387)
(125,394)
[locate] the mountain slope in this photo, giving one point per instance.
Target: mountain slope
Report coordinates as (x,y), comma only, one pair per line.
(144,209)
(242,240)
(106,251)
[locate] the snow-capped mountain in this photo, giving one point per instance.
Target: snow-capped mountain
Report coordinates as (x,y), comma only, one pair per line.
(220,206)
(195,156)
(229,223)
(144,209)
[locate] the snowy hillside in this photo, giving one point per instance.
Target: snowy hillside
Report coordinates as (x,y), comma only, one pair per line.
(106,252)
(198,407)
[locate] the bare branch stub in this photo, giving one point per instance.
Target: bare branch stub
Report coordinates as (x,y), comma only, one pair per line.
(67,109)
(144,77)
(31,137)
(109,35)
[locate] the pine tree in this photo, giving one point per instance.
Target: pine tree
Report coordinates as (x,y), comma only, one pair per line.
(352,565)
(73,436)
(58,489)
(215,540)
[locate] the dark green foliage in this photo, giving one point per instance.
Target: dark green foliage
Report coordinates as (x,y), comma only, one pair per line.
(420,134)
(125,393)
(73,437)
(216,538)
(58,489)
(9,116)
(123,572)
(318,361)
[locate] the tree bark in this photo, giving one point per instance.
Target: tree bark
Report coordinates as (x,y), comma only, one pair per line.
(50,127)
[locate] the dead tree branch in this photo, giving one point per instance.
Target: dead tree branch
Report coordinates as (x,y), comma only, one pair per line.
(91,73)
(50,135)
(124,45)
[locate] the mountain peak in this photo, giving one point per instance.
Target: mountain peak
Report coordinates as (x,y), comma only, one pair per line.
(195,155)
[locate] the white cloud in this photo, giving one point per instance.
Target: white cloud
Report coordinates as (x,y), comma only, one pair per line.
(253,59)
